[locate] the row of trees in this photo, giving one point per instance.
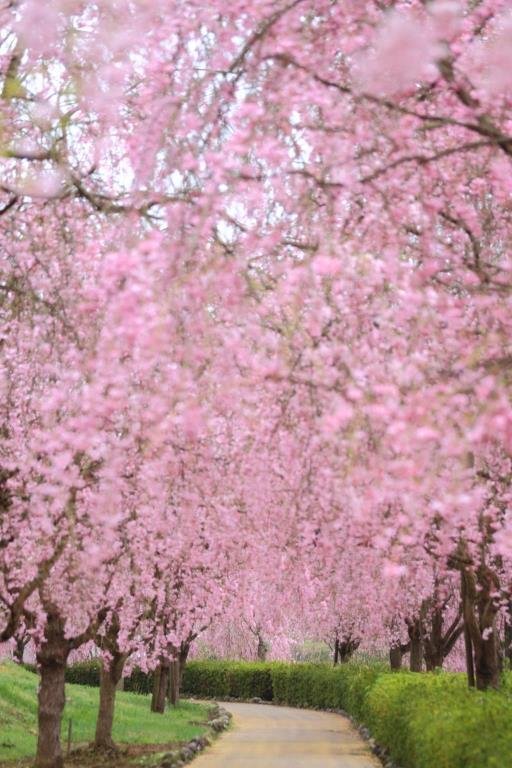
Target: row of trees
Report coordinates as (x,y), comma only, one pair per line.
(255,320)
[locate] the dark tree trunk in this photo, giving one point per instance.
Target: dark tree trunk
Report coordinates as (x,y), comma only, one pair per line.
(21,642)
(347,647)
(176,673)
(262,649)
(336,651)
(479,611)
(156,688)
(51,701)
(160,687)
(433,659)
(416,638)
(110,677)
(433,641)
(468,645)
(51,660)
(438,642)
(470,666)
(395,657)
(183,656)
(507,644)
(164,684)
(174,682)
(487,668)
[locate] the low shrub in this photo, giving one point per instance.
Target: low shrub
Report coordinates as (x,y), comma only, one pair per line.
(435,721)
(84,673)
(246,681)
(206,678)
(280,683)
(357,681)
(88,673)
(225,679)
(308,685)
(139,681)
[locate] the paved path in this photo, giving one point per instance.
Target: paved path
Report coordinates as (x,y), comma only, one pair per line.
(264,736)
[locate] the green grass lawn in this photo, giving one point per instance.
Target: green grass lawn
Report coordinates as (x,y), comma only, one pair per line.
(133,722)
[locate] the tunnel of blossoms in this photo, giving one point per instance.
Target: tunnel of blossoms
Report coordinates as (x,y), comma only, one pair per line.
(255,332)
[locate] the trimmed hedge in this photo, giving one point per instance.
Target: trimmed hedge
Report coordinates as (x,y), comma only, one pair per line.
(435,720)
(228,679)
(88,673)
(139,681)
(84,673)
(423,720)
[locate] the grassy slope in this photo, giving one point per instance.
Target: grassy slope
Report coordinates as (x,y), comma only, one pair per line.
(133,723)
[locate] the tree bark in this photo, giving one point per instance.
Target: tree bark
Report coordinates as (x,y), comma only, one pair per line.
(262,648)
(416,638)
(110,677)
(336,651)
(51,660)
(433,660)
(160,687)
(438,641)
(21,642)
(470,666)
(183,656)
(174,683)
(395,657)
(347,647)
(478,589)
(433,641)
(487,670)
(156,688)
(466,618)
(507,650)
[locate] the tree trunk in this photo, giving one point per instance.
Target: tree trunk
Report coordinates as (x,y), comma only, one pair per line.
(183,656)
(110,677)
(262,648)
(395,657)
(21,643)
(487,668)
(433,639)
(416,638)
(433,659)
(478,591)
(347,647)
(470,667)
(416,659)
(174,683)
(51,660)
(156,688)
(467,617)
(160,686)
(336,651)
(439,640)
(164,684)
(507,650)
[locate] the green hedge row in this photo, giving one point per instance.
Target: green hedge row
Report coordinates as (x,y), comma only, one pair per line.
(423,720)
(88,673)
(84,673)
(231,679)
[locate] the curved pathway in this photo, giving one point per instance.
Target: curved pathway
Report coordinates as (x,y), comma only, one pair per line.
(265,736)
